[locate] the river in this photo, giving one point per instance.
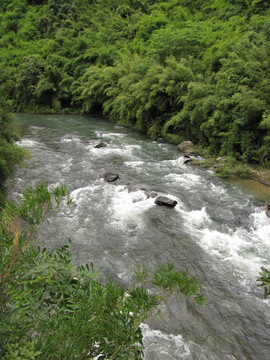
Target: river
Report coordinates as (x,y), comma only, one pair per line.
(218,230)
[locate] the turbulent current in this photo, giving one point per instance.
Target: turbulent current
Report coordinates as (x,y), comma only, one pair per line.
(218,230)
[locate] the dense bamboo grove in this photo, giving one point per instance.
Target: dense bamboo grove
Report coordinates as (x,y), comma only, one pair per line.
(175,69)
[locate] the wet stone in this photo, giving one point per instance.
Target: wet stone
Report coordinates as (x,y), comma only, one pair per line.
(110,177)
(187,161)
(165,201)
(100,145)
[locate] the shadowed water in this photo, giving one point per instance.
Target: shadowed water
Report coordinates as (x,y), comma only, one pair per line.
(217,230)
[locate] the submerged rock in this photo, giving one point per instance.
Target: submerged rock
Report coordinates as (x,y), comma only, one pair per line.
(165,201)
(186,146)
(100,145)
(187,161)
(152,194)
(110,177)
(268,211)
(137,187)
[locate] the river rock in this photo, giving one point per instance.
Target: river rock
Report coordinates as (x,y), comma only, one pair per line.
(137,187)
(152,194)
(100,145)
(222,159)
(186,146)
(187,161)
(110,177)
(268,211)
(165,201)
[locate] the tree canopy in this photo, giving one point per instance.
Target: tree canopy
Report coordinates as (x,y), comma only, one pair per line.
(175,69)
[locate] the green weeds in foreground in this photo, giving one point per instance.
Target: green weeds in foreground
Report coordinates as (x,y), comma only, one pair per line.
(264,278)
(52,309)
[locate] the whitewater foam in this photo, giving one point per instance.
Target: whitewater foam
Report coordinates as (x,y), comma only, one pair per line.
(161,345)
(28,143)
(186,180)
(70,139)
(109,135)
(196,218)
(128,207)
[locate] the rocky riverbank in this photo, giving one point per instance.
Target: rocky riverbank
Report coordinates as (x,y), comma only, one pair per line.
(224,166)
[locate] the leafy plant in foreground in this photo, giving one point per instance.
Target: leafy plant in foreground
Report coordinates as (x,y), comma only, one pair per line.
(265,281)
(35,201)
(169,279)
(53,309)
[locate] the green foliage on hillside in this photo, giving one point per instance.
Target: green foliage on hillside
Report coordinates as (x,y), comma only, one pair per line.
(52,309)
(175,69)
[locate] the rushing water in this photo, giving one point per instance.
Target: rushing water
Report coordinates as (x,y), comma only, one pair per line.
(217,230)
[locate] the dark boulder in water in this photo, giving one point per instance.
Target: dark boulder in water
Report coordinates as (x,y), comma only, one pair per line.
(110,177)
(100,145)
(165,201)
(187,161)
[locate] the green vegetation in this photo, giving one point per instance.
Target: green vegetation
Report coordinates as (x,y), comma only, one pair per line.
(264,278)
(174,69)
(52,309)
(10,154)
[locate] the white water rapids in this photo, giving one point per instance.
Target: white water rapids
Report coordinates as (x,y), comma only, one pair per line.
(217,230)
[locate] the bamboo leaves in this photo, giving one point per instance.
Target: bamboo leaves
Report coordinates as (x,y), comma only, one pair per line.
(173,71)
